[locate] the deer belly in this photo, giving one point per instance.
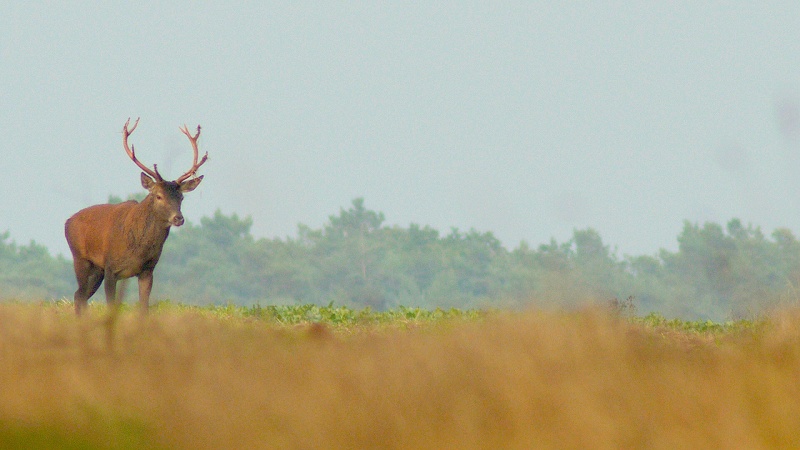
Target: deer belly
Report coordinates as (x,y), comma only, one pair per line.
(131,268)
(127,273)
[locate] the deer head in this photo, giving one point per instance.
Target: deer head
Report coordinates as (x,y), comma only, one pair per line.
(164,196)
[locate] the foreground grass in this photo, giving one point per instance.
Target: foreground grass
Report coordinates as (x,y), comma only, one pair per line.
(326,377)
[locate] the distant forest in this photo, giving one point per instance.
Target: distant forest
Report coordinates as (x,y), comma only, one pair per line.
(719,272)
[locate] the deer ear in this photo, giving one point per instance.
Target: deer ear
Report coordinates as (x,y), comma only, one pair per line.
(188,186)
(147,182)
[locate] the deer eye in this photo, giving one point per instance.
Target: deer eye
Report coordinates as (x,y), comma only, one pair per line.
(159,197)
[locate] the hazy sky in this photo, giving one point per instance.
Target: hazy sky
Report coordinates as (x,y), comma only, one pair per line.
(527,119)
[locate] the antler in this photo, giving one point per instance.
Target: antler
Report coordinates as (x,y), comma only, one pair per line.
(130,151)
(195,164)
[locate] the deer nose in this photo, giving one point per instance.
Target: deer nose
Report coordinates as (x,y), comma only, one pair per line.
(177,220)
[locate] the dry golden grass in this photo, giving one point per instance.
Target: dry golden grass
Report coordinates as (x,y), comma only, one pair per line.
(532,380)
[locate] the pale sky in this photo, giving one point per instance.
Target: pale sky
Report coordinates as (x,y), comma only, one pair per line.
(526,119)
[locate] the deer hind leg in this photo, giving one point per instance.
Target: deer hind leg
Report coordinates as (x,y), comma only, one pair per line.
(89,277)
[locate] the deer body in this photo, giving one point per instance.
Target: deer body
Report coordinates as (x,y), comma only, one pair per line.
(114,242)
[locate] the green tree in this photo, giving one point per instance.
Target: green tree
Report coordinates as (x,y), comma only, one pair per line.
(30,272)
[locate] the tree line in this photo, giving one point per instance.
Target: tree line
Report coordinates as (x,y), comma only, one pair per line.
(355,259)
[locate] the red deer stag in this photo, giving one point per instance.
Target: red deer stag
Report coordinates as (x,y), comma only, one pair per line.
(119,241)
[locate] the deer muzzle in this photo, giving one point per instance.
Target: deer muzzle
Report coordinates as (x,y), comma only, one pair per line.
(177,220)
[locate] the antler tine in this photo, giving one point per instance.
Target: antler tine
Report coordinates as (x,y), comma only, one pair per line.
(135,124)
(195,164)
(131,151)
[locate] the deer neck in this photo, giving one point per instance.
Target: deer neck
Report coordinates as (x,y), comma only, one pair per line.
(150,229)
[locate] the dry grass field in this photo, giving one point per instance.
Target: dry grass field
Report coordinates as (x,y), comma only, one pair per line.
(187,379)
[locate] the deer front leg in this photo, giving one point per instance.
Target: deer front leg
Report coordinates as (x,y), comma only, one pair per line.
(111,289)
(145,286)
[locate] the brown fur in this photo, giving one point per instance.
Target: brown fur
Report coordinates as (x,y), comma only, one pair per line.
(114,242)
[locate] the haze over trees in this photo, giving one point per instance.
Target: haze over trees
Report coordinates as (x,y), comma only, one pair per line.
(355,259)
